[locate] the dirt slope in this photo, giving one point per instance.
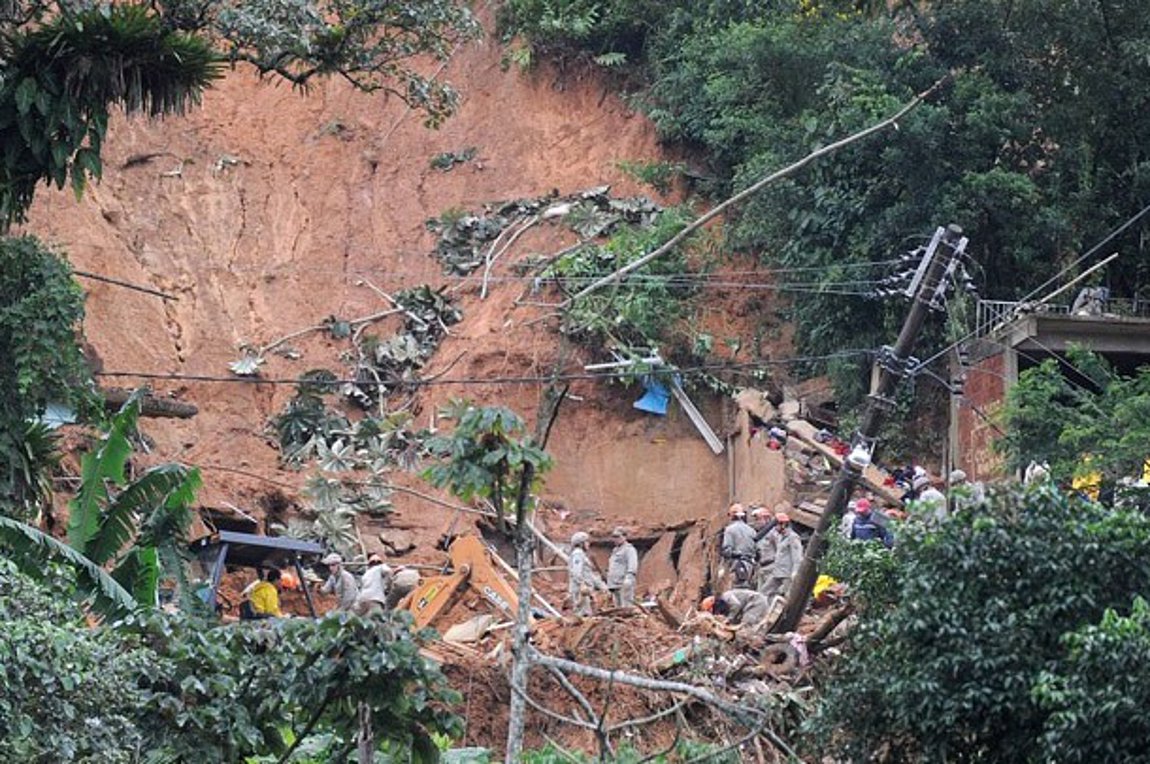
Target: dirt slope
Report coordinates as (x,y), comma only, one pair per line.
(264,211)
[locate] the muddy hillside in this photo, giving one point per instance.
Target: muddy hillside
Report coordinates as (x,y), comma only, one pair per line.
(267,212)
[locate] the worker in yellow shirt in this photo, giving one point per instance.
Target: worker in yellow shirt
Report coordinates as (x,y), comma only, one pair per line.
(265,597)
(1087,481)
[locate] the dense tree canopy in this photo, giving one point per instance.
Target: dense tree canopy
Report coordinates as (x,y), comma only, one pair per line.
(172,688)
(1078,415)
(983,639)
(1037,147)
(40,312)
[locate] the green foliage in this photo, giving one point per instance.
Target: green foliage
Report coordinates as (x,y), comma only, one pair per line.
(1059,413)
(236,692)
(62,76)
(643,310)
(40,312)
(946,670)
(70,692)
(180,689)
(611,31)
(658,175)
(373,44)
(447,160)
(1096,696)
(1035,148)
(33,551)
(484,455)
(870,568)
(137,527)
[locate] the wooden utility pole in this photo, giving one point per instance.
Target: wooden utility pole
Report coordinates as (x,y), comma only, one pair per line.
(927,290)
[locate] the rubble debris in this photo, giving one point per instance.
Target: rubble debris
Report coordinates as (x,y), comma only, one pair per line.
(872,475)
(591,213)
(657,572)
(397,542)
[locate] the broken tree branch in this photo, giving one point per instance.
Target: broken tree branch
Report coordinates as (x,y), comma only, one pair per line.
(393,301)
(553,714)
(360,322)
(492,255)
(754,189)
(744,714)
(748,716)
(573,691)
(673,708)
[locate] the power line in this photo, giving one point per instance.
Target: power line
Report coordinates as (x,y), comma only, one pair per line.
(743,368)
(265,271)
(1109,237)
(124,284)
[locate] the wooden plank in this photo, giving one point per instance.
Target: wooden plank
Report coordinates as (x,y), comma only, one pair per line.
(806,514)
(872,475)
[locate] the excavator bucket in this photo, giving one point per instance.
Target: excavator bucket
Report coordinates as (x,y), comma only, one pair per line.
(471,565)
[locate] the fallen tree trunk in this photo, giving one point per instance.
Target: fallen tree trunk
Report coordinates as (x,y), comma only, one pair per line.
(150,405)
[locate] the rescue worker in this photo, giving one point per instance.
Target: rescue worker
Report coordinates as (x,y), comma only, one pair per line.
(963,491)
(374,585)
(340,582)
(622,569)
(581,578)
(848,521)
(744,607)
(931,502)
(762,521)
(866,528)
(788,555)
(264,598)
(738,545)
(403,583)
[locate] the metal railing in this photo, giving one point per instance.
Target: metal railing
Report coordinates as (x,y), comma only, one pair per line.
(993,314)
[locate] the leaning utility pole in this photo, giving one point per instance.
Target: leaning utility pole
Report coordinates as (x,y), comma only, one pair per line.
(928,289)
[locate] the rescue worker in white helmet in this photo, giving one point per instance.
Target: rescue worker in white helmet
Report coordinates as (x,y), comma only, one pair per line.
(581,578)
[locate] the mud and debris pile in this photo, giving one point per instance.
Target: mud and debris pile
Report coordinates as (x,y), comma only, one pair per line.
(755,670)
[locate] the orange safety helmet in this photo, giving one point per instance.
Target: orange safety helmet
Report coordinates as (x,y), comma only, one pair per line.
(707,605)
(289,580)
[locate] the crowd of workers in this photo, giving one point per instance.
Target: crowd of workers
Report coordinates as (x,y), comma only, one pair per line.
(379,588)
(762,551)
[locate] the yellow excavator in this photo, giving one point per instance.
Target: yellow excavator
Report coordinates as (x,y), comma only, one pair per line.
(472,566)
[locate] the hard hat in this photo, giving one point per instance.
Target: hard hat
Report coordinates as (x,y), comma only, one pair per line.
(619,532)
(920,482)
(782,518)
(707,605)
(957,476)
(333,559)
(862,507)
(579,538)
(736,510)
